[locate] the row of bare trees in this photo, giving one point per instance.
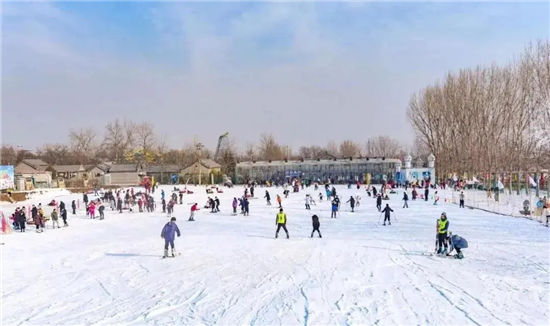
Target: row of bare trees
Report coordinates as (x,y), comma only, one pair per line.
(269,149)
(488,119)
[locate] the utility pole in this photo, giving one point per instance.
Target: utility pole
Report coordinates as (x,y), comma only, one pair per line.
(198,147)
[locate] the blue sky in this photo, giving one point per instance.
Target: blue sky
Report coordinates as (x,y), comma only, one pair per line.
(307,72)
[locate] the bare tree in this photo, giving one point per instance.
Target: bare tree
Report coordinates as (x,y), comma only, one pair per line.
(349,148)
(269,149)
(383,146)
(83,144)
(118,139)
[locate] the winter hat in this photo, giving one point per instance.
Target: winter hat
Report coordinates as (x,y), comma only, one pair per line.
(281,210)
(444,214)
(173,219)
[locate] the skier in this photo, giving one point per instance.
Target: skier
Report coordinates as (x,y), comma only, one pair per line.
(119,204)
(280,221)
(414,194)
(457,243)
(234,205)
(245,206)
(320,196)
(405,200)
(351,202)
(436,198)
(252,191)
(316,225)
(54,219)
(334,206)
(162,194)
(63,213)
(426,193)
(92,210)
(267,198)
(308,202)
(21,219)
(73,206)
(379,202)
(168,232)
(217,202)
(181,198)
(461,205)
(373,191)
(194,208)
(140,205)
(442,226)
(279,200)
(386,212)
(85,200)
(101,214)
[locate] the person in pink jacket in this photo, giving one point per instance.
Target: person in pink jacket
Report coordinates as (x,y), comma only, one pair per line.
(92,210)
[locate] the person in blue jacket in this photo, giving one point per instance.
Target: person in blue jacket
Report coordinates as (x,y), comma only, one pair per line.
(168,233)
(457,243)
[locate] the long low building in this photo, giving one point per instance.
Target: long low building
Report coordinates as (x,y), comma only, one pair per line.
(372,170)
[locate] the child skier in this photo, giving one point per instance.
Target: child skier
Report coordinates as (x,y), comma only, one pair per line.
(386,212)
(334,207)
(405,200)
(168,232)
(461,204)
(308,202)
(234,205)
(194,208)
(316,225)
(267,198)
(436,198)
(351,202)
(279,201)
(379,202)
(457,243)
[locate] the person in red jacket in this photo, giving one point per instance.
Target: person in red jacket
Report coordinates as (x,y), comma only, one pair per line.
(194,208)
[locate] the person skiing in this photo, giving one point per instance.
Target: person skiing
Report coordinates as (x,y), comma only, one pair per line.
(245,206)
(168,232)
(351,202)
(63,214)
(100,210)
(426,193)
(280,221)
(267,198)
(181,197)
(308,202)
(442,226)
(386,212)
(457,243)
(162,194)
(92,210)
(436,198)
(320,196)
(85,199)
(405,200)
(373,191)
(217,203)
(279,201)
(316,225)
(21,219)
(119,204)
(252,191)
(414,193)
(461,203)
(194,208)
(73,206)
(334,208)
(55,219)
(379,202)
(234,205)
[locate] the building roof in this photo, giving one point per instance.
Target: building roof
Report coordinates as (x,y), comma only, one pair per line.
(36,164)
(211,164)
(68,168)
(163,168)
(102,166)
(124,168)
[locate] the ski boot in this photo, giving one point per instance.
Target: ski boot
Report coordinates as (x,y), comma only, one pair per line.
(165,253)
(276,235)
(287,236)
(173,252)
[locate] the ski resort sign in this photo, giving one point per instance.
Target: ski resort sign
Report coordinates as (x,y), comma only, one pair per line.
(6,177)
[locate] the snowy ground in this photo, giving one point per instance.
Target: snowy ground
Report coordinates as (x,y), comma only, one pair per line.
(232,272)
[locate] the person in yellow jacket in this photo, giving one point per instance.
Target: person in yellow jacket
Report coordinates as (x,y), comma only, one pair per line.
(441,228)
(280,221)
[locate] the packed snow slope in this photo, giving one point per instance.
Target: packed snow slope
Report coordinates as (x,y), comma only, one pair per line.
(232,271)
